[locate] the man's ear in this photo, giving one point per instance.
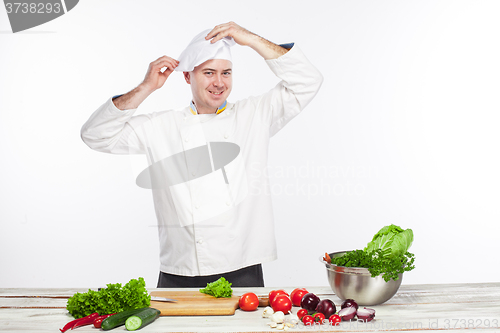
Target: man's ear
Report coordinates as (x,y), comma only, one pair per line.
(187,77)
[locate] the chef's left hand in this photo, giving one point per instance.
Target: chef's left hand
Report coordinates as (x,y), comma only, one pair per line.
(240,35)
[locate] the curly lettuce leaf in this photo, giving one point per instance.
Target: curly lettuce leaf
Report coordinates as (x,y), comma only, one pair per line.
(114,298)
(219,288)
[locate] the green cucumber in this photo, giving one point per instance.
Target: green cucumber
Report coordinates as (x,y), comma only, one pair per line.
(141,319)
(118,319)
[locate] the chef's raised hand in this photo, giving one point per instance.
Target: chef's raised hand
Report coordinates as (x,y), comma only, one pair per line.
(158,72)
(242,36)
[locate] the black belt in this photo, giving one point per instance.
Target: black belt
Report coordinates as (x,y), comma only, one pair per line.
(250,276)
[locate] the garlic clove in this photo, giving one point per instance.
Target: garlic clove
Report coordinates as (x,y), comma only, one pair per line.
(278,317)
(293,319)
(268,311)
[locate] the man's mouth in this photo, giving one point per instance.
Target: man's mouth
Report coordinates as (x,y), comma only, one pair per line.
(216,92)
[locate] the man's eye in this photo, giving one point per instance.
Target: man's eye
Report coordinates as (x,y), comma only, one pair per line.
(208,73)
(227,73)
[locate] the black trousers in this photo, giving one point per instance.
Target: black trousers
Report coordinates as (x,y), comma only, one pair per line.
(250,276)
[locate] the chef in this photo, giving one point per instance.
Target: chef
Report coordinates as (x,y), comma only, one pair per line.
(207,160)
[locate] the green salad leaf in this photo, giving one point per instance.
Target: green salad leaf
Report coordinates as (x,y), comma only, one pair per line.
(219,288)
(386,254)
(114,298)
(392,240)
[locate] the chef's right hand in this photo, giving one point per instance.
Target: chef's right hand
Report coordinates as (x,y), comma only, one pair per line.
(155,77)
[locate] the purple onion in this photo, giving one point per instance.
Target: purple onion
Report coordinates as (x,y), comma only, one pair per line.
(309,302)
(348,303)
(326,307)
(347,313)
(365,314)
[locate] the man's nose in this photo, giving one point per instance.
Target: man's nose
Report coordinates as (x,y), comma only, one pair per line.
(218,82)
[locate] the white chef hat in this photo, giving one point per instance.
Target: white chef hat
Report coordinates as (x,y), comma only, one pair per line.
(201,50)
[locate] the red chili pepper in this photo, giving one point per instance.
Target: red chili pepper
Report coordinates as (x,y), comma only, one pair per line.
(86,320)
(98,320)
(69,325)
(72,324)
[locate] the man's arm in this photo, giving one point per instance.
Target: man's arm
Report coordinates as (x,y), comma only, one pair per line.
(241,36)
(300,80)
(109,128)
(154,79)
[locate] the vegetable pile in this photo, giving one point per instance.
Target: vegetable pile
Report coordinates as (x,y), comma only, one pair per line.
(133,319)
(112,299)
(219,288)
(314,311)
(387,254)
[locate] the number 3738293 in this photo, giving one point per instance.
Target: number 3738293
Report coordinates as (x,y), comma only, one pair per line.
(32,8)
(470,323)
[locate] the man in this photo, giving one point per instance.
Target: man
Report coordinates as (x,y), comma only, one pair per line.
(207,161)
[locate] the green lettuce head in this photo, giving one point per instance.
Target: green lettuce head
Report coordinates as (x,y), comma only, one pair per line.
(392,240)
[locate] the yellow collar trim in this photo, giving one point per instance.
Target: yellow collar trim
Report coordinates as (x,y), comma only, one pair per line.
(193,110)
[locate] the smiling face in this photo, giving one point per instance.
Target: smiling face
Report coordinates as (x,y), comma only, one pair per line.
(211,84)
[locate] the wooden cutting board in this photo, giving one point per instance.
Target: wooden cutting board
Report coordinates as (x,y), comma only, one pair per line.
(194,303)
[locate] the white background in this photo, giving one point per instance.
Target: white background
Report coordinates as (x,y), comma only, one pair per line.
(403,131)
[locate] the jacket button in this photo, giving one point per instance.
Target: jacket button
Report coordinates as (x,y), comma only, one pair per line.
(200,241)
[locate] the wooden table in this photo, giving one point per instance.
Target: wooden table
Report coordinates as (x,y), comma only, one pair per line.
(415,308)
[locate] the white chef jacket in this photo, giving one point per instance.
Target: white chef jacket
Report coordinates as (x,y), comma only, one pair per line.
(223,220)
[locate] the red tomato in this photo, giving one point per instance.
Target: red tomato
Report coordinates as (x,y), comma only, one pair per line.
(296,295)
(301,313)
(282,303)
(275,293)
(308,320)
(334,320)
(319,317)
(249,302)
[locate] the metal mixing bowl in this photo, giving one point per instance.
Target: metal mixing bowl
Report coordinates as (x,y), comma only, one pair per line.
(358,284)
